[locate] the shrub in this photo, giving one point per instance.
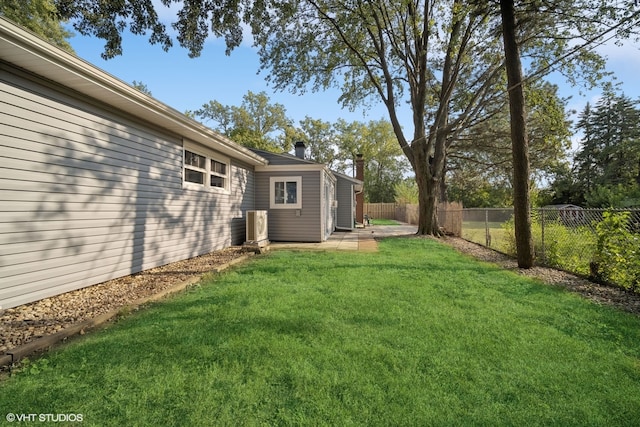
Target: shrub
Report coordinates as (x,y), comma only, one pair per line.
(617,257)
(510,236)
(565,247)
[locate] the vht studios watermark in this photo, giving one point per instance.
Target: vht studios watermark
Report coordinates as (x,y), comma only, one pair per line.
(44,418)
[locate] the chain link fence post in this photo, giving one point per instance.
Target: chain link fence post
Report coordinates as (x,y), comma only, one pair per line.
(487,235)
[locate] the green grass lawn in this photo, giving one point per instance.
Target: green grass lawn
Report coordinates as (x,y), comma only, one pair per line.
(383,221)
(475,231)
(415,334)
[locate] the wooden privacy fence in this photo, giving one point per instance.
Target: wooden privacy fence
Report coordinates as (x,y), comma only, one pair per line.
(450,218)
(449,214)
(380,210)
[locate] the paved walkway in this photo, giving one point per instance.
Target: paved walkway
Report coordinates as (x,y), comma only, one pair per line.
(361,239)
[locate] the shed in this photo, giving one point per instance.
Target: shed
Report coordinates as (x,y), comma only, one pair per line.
(567,213)
(346,190)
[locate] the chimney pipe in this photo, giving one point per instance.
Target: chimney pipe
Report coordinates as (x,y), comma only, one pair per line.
(300,147)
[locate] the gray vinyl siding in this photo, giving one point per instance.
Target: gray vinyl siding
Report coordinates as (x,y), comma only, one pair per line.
(87,195)
(243,200)
(344,195)
(283,224)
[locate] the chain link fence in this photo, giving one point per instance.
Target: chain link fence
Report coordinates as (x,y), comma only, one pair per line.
(591,242)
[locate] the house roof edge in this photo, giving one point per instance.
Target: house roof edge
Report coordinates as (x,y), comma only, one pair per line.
(24,49)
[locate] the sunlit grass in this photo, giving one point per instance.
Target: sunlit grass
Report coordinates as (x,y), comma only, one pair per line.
(415,334)
(383,221)
(498,238)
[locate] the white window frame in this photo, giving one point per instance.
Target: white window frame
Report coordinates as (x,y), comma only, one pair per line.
(272,192)
(209,155)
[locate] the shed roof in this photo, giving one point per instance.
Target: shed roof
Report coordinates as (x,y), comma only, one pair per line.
(358,184)
(563,206)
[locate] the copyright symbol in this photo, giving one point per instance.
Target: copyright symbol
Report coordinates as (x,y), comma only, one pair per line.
(11,417)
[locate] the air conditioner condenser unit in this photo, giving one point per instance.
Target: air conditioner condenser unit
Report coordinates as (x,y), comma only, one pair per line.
(257,230)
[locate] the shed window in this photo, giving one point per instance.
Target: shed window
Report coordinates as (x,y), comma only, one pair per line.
(286,192)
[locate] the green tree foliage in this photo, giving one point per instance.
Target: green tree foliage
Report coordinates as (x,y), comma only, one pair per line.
(607,165)
(337,145)
(618,251)
(39,16)
(560,189)
(256,123)
(406,192)
(320,138)
(384,162)
(141,87)
(442,58)
(413,52)
(479,166)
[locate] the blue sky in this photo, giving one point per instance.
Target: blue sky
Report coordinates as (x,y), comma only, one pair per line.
(185,83)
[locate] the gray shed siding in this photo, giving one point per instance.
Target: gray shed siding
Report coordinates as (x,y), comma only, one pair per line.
(284,224)
(346,204)
(87,195)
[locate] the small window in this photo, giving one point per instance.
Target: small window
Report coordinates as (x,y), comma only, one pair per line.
(286,192)
(205,170)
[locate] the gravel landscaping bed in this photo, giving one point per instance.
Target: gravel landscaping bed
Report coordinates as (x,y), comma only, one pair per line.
(23,324)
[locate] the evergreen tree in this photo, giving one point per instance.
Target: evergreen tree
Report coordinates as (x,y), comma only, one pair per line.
(586,160)
(607,166)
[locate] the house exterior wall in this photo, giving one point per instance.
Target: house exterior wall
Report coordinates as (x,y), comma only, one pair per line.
(88,195)
(293,225)
(345,215)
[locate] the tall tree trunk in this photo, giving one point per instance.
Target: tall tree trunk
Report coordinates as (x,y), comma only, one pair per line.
(427,204)
(428,186)
(519,141)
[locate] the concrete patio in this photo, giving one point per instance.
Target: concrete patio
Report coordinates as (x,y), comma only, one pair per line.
(362,239)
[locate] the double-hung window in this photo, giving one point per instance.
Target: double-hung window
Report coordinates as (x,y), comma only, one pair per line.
(205,169)
(285,192)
